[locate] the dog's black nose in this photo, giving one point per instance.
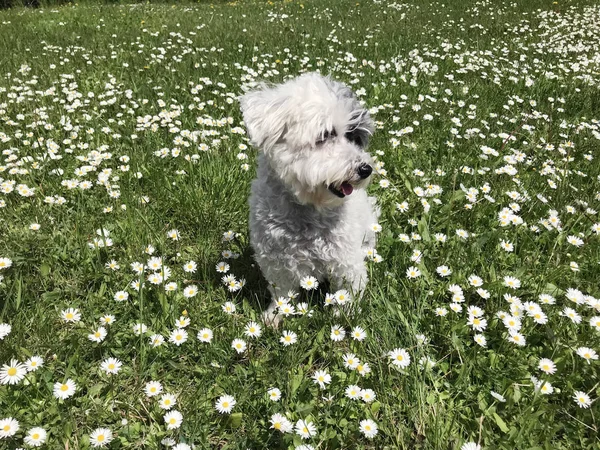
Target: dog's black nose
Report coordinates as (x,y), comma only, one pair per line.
(364,170)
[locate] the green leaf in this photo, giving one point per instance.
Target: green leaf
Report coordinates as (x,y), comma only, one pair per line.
(45,270)
(375,407)
(236,419)
(501,424)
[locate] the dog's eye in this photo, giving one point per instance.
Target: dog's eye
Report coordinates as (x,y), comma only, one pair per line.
(326,135)
(354,137)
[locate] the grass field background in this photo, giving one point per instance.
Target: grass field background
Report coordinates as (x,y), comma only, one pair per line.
(121,141)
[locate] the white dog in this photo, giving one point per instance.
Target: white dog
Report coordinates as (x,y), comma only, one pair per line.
(309,212)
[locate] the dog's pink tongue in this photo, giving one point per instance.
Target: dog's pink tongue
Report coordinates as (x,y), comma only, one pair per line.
(346,188)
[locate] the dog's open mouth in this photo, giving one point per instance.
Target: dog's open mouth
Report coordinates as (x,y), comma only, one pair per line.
(344,189)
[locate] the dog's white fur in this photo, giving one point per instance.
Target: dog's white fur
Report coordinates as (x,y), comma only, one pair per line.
(312,133)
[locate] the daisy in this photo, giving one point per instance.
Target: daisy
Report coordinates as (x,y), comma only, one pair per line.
(173,419)
(441,312)
(100,437)
(190,267)
(399,357)
(571,314)
(153,388)
(484,294)
(516,338)
(178,336)
(190,291)
(4,327)
(363,369)
(287,310)
(274,394)
(205,335)
(181,446)
(475,281)
(225,404)
(222,267)
(121,296)
(342,297)
(64,390)
(5,263)
(309,283)
(351,361)
(13,372)
(547,366)
(470,446)
(322,378)
(477,323)
(8,427)
(280,423)
(156,340)
(167,401)
(353,392)
(581,399)
(35,437)
(480,340)
(288,338)
(183,321)
(305,429)
(368,428)
(337,333)
(595,323)
(71,315)
(498,397)
(107,319)
(34,363)
(239,345)
(413,272)
(253,330)
(443,271)
(229,307)
(367,395)
(512,282)
(98,336)
(587,353)
(358,334)
(111,366)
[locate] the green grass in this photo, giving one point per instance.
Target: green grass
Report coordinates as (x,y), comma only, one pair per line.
(132,57)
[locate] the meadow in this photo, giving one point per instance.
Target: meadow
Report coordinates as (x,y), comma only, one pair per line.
(129,301)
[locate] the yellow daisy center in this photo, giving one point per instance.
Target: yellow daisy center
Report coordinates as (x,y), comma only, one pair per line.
(167,401)
(277,426)
(64,387)
(35,436)
(225,404)
(69,316)
(399,357)
(111,366)
(12,372)
(6,427)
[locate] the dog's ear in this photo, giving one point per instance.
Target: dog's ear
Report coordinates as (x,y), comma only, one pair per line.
(265,112)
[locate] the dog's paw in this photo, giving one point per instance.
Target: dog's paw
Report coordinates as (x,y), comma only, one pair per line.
(271,318)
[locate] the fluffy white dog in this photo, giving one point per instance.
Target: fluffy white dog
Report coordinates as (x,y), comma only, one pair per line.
(309,212)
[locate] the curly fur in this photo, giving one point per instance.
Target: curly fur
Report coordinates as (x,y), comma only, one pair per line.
(305,219)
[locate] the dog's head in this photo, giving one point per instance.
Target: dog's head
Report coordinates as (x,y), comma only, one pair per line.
(314,133)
